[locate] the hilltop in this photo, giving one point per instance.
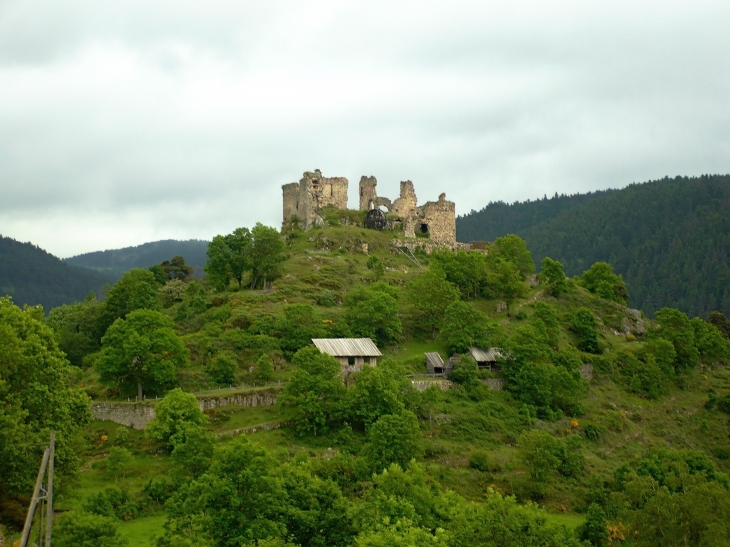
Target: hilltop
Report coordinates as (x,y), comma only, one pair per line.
(587,395)
(668,238)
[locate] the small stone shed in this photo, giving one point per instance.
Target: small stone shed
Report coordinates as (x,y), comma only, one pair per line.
(487,358)
(435,364)
(352,353)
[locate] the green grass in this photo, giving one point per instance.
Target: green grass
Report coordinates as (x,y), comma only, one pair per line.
(569,520)
(142,532)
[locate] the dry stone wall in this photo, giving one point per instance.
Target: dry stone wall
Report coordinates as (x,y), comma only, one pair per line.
(138,415)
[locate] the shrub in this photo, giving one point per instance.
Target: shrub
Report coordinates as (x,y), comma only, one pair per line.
(479,460)
(326,298)
(222,368)
(80,529)
(173,414)
(594,432)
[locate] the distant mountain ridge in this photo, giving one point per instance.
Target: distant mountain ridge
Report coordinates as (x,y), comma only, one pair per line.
(669,238)
(33,276)
(115,262)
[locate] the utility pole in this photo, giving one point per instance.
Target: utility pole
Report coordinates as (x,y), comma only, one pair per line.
(46,463)
(49,489)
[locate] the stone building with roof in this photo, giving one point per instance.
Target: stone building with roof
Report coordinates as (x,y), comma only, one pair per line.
(352,353)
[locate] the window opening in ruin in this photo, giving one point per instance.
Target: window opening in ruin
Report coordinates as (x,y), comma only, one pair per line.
(350,361)
(424,228)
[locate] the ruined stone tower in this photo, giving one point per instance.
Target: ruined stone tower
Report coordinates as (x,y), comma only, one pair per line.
(305,199)
(435,220)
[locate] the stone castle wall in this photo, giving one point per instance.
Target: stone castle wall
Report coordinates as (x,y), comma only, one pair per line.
(306,198)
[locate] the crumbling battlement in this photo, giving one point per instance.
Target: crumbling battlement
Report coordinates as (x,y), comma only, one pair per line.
(435,218)
(306,198)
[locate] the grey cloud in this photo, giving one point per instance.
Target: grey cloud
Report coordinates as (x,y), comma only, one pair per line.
(126,122)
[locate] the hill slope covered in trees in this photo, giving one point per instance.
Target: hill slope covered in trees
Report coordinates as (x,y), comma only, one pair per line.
(670,238)
(116,262)
(33,276)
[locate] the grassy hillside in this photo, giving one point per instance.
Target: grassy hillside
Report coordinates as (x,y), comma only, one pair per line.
(33,276)
(116,262)
(669,238)
(473,445)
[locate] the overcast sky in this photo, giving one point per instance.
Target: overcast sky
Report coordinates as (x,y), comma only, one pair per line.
(127,122)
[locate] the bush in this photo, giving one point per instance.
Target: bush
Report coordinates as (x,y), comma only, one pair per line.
(112,502)
(80,529)
(593,432)
(174,414)
(394,439)
(479,460)
(584,325)
(326,298)
(159,488)
(222,369)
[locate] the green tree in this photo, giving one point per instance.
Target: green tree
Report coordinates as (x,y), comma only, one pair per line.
(264,368)
(720,322)
(376,393)
(553,276)
(513,249)
(296,328)
(585,326)
(676,327)
(315,392)
(373,313)
(713,348)
(506,280)
(375,265)
(465,327)
(545,318)
(173,415)
(77,328)
(429,295)
(465,371)
(177,269)
(118,461)
(141,353)
(35,397)
(394,438)
(595,528)
(222,368)
(81,529)
(246,497)
(401,533)
(136,290)
(229,258)
(267,254)
(537,452)
(195,454)
(601,280)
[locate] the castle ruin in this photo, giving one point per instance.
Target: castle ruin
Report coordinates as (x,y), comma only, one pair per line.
(305,199)
(434,219)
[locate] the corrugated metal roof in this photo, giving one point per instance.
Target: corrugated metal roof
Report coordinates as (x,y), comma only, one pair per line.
(435,360)
(480,355)
(347,347)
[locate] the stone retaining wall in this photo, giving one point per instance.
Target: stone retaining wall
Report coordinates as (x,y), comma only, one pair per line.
(423,385)
(138,415)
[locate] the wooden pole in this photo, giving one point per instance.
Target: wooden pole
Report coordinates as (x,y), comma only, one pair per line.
(49,502)
(34,500)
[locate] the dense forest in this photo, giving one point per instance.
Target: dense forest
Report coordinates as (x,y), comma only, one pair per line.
(669,239)
(116,262)
(593,425)
(33,276)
